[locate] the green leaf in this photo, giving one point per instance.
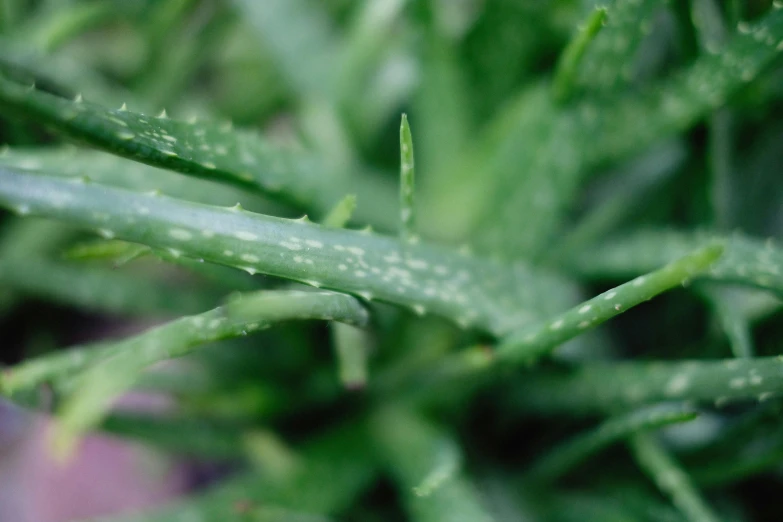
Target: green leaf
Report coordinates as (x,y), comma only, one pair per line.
(568,63)
(746,261)
(119,365)
(537,165)
(26,267)
(334,468)
(612,126)
(67,73)
(181,436)
(73,163)
(471,291)
(426,464)
(341,214)
(300,38)
(120,252)
(407,183)
(565,456)
(206,150)
(377,74)
(618,195)
(736,308)
(102,290)
(442,111)
(616,386)
(670,478)
(754,457)
(534,341)
(64,23)
(239,511)
(351,346)
(514,185)
(609,61)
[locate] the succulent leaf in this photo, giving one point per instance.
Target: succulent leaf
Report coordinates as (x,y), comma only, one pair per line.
(471,291)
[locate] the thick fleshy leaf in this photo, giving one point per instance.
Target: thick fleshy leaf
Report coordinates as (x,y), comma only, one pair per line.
(613,386)
(746,260)
(612,126)
(207,150)
(113,368)
(471,291)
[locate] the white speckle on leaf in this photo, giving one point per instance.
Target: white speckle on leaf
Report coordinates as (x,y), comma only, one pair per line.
(180,234)
(245,236)
(738,383)
(416,264)
(677,384)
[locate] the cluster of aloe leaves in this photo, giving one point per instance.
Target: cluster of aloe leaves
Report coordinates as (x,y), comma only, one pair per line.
(464,272)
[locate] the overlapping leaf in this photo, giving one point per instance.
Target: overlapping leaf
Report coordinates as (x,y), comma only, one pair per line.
(211,151)
(613,386)
(612,127)
(746,260)
(471,291)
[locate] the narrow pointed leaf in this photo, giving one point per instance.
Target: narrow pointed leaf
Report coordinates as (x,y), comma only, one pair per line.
(533,341)
(683,99)
(613,386)
(609,60)
(536,340)
(487,295)
(300,38)
(122,363)
(568,63)
(426,465)
(203,149)
(670,478)
(341,214)
(571,453)
(524,169)
(66,71)
(442,110)
(28,266)
(732,307)
(407,182)
(757,458)
(102,290)
(73,163)
(745,261)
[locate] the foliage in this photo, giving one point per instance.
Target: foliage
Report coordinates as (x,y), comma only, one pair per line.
(502,280)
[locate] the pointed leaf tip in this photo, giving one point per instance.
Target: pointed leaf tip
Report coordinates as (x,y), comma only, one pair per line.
(407,181)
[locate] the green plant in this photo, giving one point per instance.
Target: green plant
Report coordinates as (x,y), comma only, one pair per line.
(590,178)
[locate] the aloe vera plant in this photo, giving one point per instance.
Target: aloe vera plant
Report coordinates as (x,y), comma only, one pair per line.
(406,254)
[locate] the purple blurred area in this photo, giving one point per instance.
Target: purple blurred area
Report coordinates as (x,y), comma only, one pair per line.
(107,475)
